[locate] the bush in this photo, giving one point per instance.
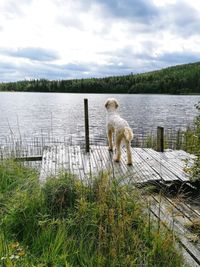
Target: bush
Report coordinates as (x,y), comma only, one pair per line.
(196,167)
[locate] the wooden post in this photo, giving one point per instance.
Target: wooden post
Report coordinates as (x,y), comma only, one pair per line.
(160,139)
(87,140)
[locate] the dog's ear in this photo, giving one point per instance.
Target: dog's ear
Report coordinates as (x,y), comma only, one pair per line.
(116,104)
(107,103)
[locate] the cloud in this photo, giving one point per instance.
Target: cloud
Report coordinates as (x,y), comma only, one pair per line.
(59,39)
(12,9)
(39,70)
(180,18)
(32,53)
(7,67)
(179,57)
(51,71)
(70,21)
(137,10)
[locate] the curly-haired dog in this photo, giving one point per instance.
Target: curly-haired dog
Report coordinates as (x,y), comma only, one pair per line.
(120,128)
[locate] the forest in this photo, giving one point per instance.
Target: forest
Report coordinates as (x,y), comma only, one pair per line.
(180,79)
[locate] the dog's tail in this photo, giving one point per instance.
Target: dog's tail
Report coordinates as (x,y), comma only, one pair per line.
(128,133)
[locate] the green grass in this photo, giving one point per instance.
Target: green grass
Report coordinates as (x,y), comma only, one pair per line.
(68,223)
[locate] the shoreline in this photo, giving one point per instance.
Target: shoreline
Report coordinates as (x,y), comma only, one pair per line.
(98,93)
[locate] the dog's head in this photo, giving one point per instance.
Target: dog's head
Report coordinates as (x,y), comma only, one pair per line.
(111,104)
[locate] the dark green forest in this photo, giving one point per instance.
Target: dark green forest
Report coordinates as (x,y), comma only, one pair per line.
(180,79)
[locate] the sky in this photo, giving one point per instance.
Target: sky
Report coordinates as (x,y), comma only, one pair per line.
(67,39)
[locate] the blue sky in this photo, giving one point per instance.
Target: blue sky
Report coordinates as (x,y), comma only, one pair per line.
(66,39)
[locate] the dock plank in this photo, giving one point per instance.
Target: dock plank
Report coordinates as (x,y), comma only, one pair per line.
(160,166)
(148,165)
(172,165)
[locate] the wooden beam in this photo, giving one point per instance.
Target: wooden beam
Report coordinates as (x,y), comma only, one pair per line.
(87,136)
(160,139)
(33,158)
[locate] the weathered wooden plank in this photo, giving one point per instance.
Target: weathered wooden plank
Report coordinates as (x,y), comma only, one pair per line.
(82,174)
(151,165)
(180,157)
(179,163)
(66,165)
(98,158)
(134,170)
(168,215)
(148,165)
(129,172)
(86,165)
(120,169)
(105,158)
(158,166)
(143,168)
(83,165)
(182,154)
(171,166)
(32,158)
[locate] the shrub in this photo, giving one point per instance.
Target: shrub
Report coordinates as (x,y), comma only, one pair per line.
(196,167)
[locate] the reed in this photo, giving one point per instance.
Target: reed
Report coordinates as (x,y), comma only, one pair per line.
(25,146)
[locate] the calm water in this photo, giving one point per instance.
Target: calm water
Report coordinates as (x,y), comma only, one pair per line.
(34,114)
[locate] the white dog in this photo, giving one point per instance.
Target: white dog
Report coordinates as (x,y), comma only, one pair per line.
(120,128)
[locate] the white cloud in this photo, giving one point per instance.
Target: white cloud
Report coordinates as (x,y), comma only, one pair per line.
(107,37)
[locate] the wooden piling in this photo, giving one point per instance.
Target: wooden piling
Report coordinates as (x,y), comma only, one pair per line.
(160,139)
(87,140)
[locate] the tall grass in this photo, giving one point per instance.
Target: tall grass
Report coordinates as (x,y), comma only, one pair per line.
(67,223)
(25,146)
(185,140)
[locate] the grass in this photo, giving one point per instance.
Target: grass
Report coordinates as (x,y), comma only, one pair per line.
(68,223)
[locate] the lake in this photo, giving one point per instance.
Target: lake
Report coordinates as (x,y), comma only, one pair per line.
(36,114)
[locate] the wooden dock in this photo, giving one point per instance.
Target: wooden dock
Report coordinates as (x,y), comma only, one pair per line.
(148,165)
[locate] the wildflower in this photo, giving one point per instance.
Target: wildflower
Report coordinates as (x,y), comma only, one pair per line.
(21,253)
(12,257)
(14,245)
(3,258)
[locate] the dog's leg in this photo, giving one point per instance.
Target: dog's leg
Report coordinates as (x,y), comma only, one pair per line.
(110,141)
(128,151)
(118,148)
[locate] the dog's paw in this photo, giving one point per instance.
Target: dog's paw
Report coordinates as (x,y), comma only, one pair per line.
(116,160)
(129,163)
(110,149)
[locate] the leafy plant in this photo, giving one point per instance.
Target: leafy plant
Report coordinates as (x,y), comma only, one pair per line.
(196,167)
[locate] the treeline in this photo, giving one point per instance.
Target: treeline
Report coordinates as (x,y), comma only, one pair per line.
(181,79)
